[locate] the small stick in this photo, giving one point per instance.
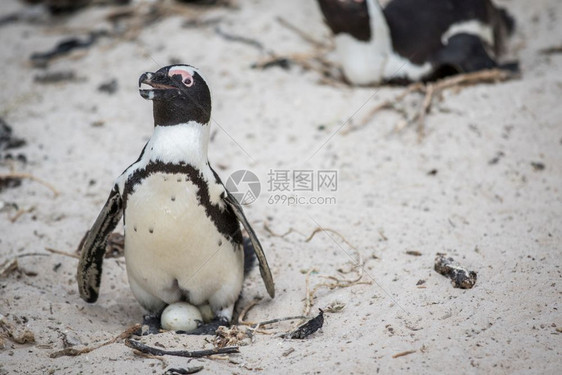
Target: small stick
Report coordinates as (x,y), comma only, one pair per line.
(402,354)
(8,267)
(305,36)
(339,283)
(20,212)
(244,312)
(274,234)
(255,325)
(424,109)
(305,61)
(320,229)
(309,295)
(241,39)
(389,103)
(55,251)
(33,255)
(17,175)
(483,76)
(180,353)
(73,352)
(551,50)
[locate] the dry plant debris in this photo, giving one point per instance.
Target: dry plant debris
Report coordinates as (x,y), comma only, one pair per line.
(73,352)
(137,345)
(430,91)
(60,252)
(336,282)
(459,275)
(255,326)
(11,265)
(402,354)
(16,331)
(314,61)
(6,178)
(8,267)
(231,336)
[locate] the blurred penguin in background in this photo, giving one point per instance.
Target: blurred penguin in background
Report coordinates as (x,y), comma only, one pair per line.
(416,40)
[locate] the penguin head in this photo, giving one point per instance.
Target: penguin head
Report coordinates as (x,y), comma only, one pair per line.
(348,17)
(179,94)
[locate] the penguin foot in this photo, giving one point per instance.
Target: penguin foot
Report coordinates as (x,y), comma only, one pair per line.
(150,325)
(207,328)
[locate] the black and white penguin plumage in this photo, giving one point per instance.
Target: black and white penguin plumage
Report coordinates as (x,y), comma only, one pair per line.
(183,240)
(415,40)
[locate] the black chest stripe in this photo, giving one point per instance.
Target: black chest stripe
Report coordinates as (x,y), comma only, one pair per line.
(225,221)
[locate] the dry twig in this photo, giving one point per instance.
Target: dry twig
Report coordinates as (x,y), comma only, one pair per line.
(430,91)
(336,282)
(180,353)
(20,212)
(244,312)
(55,251)
(320,229)
(255,326)
(303,34)
(402,354)
(9,266)
(19,176)
(274,234)
(73,352)
(551,50)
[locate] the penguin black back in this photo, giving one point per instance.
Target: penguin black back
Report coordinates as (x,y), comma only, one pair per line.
(347,16)
(413,40)
(417,27)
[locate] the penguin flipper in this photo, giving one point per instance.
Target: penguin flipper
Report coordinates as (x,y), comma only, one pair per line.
(93,247)
(464,53)
(264,267)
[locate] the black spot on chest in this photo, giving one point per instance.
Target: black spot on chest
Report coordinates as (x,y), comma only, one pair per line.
(225,220)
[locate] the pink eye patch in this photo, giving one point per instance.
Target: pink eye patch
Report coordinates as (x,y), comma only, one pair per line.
(186,78)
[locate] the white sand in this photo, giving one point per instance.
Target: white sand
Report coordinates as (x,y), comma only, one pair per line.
(501,220)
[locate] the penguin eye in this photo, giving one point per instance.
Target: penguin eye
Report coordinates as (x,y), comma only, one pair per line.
(188,81)
(185,77)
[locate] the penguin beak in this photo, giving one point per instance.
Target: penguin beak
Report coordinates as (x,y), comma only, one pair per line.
(159,82)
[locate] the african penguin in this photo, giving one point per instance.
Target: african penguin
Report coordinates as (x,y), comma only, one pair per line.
(413,40)
(183,240)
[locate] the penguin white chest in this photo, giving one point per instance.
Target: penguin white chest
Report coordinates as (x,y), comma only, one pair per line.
(362,63)
(173,249)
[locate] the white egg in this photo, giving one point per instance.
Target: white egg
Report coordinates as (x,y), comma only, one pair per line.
(206,313)
(180,316)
